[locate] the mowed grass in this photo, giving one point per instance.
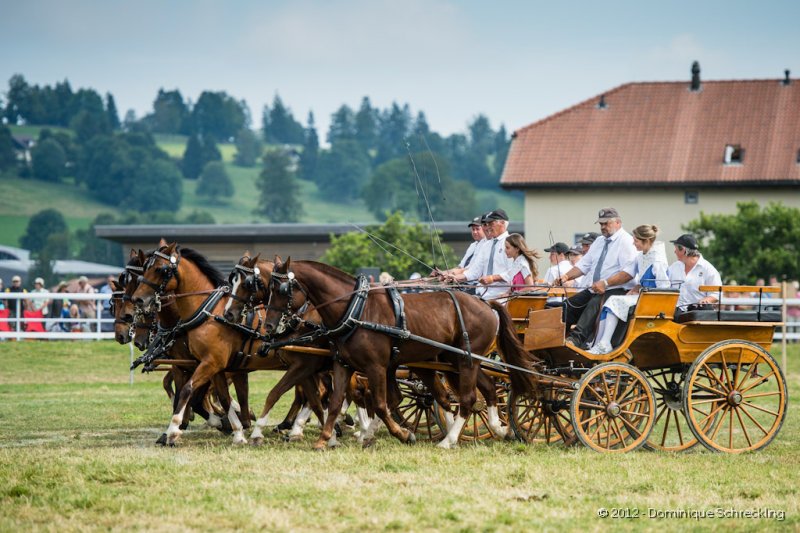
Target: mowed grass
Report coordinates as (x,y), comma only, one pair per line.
(77,453)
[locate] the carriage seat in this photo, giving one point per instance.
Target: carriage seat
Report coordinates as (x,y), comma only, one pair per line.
(715,315)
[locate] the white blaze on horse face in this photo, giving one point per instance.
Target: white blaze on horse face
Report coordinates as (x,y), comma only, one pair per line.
(494,422)
(452,435)
(238,430)
(236,281)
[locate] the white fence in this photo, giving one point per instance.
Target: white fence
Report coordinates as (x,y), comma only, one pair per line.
(93,325)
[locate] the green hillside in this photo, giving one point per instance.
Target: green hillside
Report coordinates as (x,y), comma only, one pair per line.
(21,198)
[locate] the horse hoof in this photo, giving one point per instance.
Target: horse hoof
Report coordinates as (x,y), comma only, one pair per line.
(334,445)
(348,421)
(162,440)
(240,442)
(368,443)
(411,439)
(257,442)
(183,426)
(293,438)
(318,447)
(338,429)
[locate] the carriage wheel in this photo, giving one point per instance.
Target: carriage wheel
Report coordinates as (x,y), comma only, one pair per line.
(541,417)
(416,410)
(613,408)
(671,431)
(477,425)
(735,397)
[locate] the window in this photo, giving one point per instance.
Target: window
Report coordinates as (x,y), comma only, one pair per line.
(798,156)
(734,154)
(690,197)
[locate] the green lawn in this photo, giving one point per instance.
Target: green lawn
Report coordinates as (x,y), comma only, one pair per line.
(77,454)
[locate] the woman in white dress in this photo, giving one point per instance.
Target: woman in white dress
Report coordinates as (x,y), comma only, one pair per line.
(651,271)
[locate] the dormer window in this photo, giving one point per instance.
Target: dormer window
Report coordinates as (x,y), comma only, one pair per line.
(734,154)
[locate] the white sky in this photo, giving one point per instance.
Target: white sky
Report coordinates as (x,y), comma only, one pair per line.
(515,62)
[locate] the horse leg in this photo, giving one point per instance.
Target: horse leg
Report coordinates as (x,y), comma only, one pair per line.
(487,387)
(241,385)
(296,433)
(201,375)
(467,396)
(378,385)
(341,377)
(297,404)
(224,396)
(296,373)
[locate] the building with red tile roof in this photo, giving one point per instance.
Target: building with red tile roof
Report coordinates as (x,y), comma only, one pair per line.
(660,152)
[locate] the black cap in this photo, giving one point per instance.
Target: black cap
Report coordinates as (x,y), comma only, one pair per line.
(606,214)
(687,241)
(559,248)
(475,222)
(576,250)
(497,214)
(485,217)
(588,238)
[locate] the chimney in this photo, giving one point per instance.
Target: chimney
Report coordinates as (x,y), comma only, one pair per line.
(602,104)
(695,86)
(786,80)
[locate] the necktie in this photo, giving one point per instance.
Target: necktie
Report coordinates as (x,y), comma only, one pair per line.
(469,259)
(599,266)
(490,268)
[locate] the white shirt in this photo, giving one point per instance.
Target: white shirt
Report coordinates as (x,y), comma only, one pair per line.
(557,270)
(471,253)
(702,273)
(519,265)
(479,266)
(621,257)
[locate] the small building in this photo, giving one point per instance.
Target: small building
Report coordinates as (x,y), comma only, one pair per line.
(660,152)
(23,144)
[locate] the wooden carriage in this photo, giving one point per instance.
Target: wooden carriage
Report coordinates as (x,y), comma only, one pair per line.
(672,381)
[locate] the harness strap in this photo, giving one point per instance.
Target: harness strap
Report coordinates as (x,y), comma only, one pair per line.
(463,327)
(349,322)
(400,320)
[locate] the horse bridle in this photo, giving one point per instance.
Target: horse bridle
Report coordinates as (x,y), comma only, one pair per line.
(167,272)
(252,284)
(285,287)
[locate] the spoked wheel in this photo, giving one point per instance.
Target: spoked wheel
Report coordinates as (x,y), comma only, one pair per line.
(735,397)
(416,409)
(477,425)
(671,430)
(613,409)
(542,417)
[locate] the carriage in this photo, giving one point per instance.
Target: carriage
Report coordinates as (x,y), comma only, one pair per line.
(673,381)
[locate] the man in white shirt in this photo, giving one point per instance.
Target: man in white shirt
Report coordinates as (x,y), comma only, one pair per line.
(472,254)
(690,272)
(611,265)
(573,256)
(559,264)
(492,258)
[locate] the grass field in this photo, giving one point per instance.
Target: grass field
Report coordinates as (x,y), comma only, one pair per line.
(77,453)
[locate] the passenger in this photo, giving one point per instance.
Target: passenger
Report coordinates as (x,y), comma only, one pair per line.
(587,240)
(690,272)
(472,253)
(651,271)
(574,255)
(559,264)
(492,258)
(523,270)
(610,263)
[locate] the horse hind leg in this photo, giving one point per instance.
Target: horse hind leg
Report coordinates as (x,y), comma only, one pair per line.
(378,385)
(489,391)
(221,386)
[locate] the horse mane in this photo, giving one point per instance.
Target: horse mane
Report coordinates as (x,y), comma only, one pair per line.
(210,271)
(332,270)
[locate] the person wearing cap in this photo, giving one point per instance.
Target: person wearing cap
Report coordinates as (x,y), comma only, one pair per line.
(574,255)
(472,253)
(39,304)
(87,307)
(13,305)
(610,265)
(690,272)
(587,240)
(559,264)
(492,259)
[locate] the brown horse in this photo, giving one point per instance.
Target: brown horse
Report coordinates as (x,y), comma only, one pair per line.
(448,318)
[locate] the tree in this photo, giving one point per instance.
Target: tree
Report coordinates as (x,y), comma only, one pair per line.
(210,150)
(193,162)
(214,182)
(394,126)
(49,160)
(99,250)
(310,154)
(752,243)
(366,130)
(343,125)
(111,112)
(353,250)
(156,185)
(19,102)
(170,113)
(8,158)
(342,171)
(248,148)
(87,125)
(281,127)
(218,114)
(40,226)
(280,192)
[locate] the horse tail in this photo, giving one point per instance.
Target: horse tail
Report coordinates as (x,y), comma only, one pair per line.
(513,352)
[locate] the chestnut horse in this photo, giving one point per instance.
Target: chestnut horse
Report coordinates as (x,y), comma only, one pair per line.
(448,318)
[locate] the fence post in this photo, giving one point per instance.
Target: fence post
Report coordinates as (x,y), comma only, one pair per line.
(784,295)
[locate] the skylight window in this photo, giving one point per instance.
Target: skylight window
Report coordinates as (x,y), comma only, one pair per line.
(734,154)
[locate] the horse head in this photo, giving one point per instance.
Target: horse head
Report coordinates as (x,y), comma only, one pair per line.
(160,275)
(249,280)
(280,296)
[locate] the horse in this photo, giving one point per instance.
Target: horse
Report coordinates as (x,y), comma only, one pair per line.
(362,323)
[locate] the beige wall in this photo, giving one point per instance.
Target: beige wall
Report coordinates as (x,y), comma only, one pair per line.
(567,212)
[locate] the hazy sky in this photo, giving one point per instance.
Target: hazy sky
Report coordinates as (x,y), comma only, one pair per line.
(515,62)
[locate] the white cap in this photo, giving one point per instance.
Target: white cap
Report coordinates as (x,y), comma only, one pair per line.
(40,281)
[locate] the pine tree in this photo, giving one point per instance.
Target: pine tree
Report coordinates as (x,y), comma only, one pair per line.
(214,182)
(192,163)
(279,190)
(310,155)
(111,112)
